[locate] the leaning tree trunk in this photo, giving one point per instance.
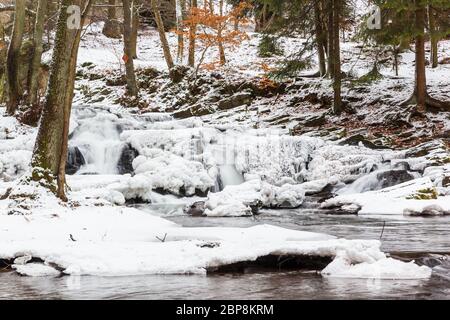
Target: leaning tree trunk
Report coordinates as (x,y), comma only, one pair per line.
(162,34)
(434,39)
(134,28)
(132,89)
(319,38)
(37,54)
(192,36)
(337,74)
(12,62)
(53,128)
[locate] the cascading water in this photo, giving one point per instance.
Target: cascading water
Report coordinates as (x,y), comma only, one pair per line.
(98,139)
(378,180)
(224,153)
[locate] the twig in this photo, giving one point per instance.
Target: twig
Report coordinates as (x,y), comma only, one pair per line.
(163,239)
(382,231)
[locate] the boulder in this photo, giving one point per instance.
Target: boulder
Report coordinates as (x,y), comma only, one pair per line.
(197,110)
(393,177)
(75,160)
(428,211)
(355,140)
(197,209)
(125,164)
(113,29)
(237,100)
(178,73)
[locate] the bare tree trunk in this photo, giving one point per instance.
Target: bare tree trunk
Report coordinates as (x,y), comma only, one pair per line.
(396,54)
(223,59)
(211,5)
(37,54)
(420,86)
(192,35)
(433,37)
(420,95)
(179,6)
(162,34)
(12,62)
(134,28)
(61,193)
(337,84)
(320,38)
(330,41)
(132,89)
(51,142)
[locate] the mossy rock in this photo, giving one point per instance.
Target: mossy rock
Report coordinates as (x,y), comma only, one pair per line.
(424,194)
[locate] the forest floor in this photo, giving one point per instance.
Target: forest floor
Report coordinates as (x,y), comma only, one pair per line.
(241,94)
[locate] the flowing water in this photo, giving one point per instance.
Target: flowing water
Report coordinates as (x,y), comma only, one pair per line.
(98,138)
(406,238)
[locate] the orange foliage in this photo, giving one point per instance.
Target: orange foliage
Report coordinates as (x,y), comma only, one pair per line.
(214,29)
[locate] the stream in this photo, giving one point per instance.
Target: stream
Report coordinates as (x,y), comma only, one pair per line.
(406,238)
(97,139)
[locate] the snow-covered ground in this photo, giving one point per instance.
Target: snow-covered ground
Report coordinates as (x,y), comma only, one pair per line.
(229,161)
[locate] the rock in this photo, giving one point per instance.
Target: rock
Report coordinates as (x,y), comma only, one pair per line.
(125,164)
(446,182)
(428,211)
(403,165)
(350,208)
(197,209)
(197,110)
(113,29)
(445,60)
(310,121)
(393,177)
(255,206)
(237,100)
(178,73)
(75,160)
(425,149)
(116,81)
(355,140)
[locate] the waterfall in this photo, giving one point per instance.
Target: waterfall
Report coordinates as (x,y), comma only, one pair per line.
(98,139)
(230,176)
(224,153)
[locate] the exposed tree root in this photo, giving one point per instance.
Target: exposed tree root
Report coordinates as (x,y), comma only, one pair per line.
(430,103)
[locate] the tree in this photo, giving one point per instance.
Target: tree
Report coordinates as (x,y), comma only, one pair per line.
(417,9)
(336,57)
(134,28)
(162,34)
(50,151)
(192,33)
(132,89)
(214,29)
(12,62)
(180,7)
(112,28)
(37,54)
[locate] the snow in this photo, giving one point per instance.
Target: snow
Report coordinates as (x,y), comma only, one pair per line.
(258,165)
(396,200)
(382,269)
(112,241)
(36,270)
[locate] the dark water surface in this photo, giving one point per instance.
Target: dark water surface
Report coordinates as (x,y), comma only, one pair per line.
(427,240)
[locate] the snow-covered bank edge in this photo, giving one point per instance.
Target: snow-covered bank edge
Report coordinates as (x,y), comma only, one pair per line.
(115,241)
